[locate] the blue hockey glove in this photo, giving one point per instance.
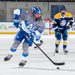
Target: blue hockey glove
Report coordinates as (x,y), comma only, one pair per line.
(32,35)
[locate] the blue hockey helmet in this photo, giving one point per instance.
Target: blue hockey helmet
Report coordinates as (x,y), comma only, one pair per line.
(63,8)
(36,10)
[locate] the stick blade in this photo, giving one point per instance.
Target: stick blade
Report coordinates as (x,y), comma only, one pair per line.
(60,64)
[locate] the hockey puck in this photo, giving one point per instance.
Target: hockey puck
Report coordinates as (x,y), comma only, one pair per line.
(58,67)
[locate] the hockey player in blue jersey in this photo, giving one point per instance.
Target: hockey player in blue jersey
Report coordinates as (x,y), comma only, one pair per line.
(62,22)
(32,24)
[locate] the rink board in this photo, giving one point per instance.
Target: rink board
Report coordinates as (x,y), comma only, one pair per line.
(9,28)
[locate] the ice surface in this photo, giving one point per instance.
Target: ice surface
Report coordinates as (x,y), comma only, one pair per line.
(37,63)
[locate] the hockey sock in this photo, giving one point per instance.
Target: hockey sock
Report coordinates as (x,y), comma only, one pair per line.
(64,44)
(57,43)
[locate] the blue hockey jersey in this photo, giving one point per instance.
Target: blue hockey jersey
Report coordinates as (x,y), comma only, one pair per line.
(61,22)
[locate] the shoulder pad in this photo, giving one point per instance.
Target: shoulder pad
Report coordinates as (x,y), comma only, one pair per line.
(57,16)
(68,14)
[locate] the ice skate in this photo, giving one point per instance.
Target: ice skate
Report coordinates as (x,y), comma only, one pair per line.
(65,51)
(8,57)
(56,50)
(22,63)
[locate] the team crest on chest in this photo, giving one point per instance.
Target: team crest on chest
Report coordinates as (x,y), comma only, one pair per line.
(63,23)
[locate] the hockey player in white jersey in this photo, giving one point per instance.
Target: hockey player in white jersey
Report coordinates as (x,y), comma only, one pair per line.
(32,24)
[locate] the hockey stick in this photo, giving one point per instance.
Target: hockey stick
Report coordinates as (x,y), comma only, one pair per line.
(48,28)
(61,63)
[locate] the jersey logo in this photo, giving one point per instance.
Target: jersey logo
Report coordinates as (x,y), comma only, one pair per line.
(29,27)
(63,22)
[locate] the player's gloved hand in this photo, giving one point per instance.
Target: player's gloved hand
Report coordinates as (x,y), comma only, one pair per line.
(36,33)
(30,36)
(67,27)
(16,13)
(37,38)
(57,30)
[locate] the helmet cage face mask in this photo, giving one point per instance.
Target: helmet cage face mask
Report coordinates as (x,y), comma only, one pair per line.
(37,16)
(63,12)
(36,10)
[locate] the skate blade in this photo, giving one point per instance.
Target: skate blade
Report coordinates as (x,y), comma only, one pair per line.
(20,66)
(65,53)
(60,53)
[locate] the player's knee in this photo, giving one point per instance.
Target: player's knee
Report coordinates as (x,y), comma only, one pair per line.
(65,37)
(25,47)
(15,44)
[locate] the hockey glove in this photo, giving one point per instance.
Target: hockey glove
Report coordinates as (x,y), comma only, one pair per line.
(57,30)
(35,34)
(31,35)
(67,27)
(16,13)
